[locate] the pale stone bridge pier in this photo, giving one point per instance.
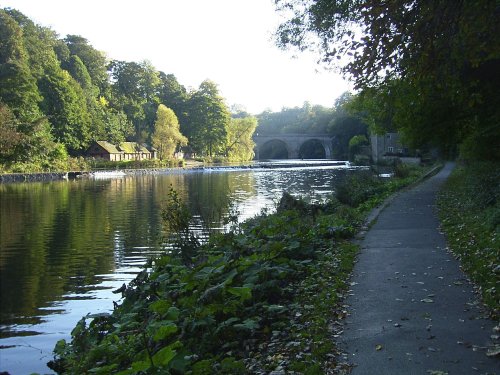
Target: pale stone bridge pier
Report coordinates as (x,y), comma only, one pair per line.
(293,143)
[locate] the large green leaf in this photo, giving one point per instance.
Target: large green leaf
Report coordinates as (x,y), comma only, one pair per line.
(164,331)
(243,292)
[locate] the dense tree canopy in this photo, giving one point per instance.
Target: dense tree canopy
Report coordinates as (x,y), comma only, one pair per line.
(439,60)
(305,119)
(61,94)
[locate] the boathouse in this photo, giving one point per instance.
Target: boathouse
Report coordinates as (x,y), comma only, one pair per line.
(124,151)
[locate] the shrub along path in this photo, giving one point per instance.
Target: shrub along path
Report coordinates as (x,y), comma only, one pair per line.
(412,310)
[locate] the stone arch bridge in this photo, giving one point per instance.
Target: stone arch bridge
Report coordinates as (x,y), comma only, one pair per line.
(293,143)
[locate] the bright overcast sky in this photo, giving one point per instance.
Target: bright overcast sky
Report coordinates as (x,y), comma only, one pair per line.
(226,41)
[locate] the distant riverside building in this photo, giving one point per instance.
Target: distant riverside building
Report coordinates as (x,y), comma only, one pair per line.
(388,146)
(123,151)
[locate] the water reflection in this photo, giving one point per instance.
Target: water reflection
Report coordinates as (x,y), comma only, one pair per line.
(66,245)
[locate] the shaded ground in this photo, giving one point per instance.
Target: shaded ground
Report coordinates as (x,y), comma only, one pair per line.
(412,310)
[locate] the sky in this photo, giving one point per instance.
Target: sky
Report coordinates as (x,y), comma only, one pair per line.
(227,41)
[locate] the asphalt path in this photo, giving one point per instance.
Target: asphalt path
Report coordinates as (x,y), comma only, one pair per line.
(412,310)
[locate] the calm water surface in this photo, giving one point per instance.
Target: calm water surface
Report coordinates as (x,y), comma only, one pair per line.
(66,245)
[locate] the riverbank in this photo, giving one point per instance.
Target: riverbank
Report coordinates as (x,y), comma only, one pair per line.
(190,165)
(255,300)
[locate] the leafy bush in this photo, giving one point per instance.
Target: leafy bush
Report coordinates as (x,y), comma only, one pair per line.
(357,188)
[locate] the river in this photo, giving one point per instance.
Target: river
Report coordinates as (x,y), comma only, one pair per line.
(66,245)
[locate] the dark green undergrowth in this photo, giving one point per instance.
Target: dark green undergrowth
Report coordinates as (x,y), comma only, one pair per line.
(265,296)
(469,206)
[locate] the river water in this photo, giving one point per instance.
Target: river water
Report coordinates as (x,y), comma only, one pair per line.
(66,245)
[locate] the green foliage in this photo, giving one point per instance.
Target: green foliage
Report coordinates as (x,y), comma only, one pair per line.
(343,128)
(167,136)
(209,120)
(239,144)
(64,100)
(94,61)
(428,69)
(277,275)
(84,98)
(357,188)
(305,119)
(469,208)
(18,87)
(355,144)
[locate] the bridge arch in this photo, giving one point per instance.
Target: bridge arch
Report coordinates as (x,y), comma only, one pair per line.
(274,149)
(297,146)
(312,149)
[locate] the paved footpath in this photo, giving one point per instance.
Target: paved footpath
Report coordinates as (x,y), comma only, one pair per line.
(412,310)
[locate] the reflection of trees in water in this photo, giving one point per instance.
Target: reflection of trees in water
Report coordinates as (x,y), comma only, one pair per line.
(212,195)
(49,246)
(56,237)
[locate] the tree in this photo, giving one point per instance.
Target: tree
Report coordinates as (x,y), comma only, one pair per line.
(355,145)
(18,87)
(65,102)
(135,92)
(167,136)
(240,145)
(209,118)
(27,142)
(343,128)
(94,60)
(445,54)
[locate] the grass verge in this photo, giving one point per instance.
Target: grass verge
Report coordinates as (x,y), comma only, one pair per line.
(469,209)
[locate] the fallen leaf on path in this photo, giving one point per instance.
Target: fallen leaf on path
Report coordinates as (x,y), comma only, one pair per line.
(379,347)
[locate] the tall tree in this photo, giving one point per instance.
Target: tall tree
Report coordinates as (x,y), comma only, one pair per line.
(167,136)
(445,53)
(94,60)
(135,91)
(174,96)
(240,145)
(65,103)
(209,118)
(18,87)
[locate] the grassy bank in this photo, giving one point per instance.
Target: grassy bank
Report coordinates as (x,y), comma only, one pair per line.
(267,296)
(469,206)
